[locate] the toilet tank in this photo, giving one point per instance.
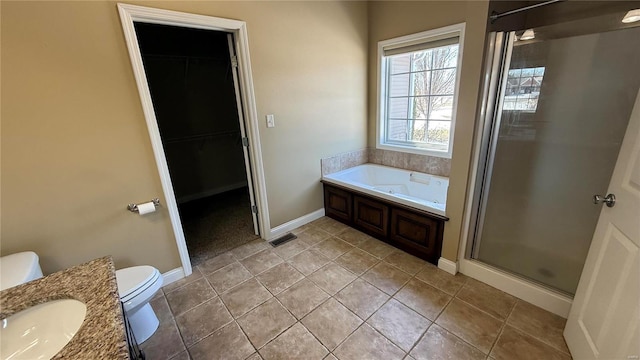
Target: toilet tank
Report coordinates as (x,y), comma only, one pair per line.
(19,268)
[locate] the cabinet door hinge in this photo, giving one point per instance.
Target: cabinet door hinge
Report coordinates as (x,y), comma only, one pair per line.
(245,141)
(254,209)
(234,61)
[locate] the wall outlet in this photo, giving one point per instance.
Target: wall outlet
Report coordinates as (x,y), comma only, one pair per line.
(271,121)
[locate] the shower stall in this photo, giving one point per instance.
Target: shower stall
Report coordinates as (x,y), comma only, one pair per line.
(557,100)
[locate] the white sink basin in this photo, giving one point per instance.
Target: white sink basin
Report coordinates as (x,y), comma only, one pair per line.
(41,331)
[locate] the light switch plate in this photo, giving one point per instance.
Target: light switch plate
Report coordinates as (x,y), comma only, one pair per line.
(271,121)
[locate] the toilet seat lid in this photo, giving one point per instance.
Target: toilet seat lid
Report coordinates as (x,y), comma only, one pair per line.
(19,268)
(132,278)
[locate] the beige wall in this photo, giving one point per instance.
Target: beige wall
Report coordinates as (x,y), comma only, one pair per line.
(75,148)
(389,19)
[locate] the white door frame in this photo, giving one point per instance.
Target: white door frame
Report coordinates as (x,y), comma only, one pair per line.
(131,13)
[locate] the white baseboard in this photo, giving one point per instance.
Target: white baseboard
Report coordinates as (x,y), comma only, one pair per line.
(280,230)
(172,276)
(537,295)
(448,265)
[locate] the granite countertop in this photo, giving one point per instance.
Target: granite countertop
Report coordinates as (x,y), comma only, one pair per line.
(102,334)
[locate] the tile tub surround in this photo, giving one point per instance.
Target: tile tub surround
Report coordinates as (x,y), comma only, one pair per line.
(102,334)
(354,302)
(414,162)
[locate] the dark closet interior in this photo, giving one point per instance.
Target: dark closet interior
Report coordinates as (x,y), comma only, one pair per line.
(190,79)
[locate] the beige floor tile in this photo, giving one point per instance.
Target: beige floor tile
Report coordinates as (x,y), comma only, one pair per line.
(424,299)
(470,324)
(216,263)
(279,278)
(184,355)
(367,343)
(295,343)
(362,298)
(313,235)
(330,357)
(228,277)
(291,248)
(357,261)
(332,278)
(228,343)
(330,225)
(245,297)
(162,310)
(165,342)
(386,278)
(261,261)
(441,279)
(487,298)
(158,294)
(202,320)
(353,236)
(265,322)
(302,297)
(255,356)
(331,323)
(248,249)
(405,262)
(332,247)
(190,295)
(439,344)
(195,275)
(376,248)
(513,344)
(302,228)
(308,261)
(539,323)
(399,324)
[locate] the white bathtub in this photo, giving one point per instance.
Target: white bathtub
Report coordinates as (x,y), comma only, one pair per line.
(418,190)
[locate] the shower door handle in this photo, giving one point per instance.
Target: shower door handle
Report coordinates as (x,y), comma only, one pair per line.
(610,199)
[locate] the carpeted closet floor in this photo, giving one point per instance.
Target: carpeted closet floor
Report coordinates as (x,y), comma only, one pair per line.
(217,224)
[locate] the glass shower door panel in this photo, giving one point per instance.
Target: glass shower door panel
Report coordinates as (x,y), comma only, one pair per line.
(566,106)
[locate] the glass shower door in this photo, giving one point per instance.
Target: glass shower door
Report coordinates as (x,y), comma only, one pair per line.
(565,102)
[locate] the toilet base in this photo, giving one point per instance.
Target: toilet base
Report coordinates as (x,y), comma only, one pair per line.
(143,322)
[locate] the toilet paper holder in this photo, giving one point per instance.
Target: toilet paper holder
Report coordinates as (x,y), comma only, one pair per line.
(134,207)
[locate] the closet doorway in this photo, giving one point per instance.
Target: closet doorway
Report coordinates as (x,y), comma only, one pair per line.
(195,93)
(194,79)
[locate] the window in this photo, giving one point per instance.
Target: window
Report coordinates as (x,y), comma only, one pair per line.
(418,86)
(523,89)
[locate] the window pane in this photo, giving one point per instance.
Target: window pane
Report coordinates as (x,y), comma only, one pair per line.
(420,108)
(398,108)
(397,130)
(421,60)
(421,84)
(514,73)
(443,82)
(418,131)
(400,63)
(441,108)
(399,85)
(445,57)
(438,132)
(539,71)
(527,72)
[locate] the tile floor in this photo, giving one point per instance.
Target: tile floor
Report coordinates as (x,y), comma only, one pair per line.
(336,293)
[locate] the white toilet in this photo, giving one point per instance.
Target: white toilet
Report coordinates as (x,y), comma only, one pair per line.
(19,268)
(136,286)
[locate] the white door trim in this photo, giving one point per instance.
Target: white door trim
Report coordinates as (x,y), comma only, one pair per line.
(131,13)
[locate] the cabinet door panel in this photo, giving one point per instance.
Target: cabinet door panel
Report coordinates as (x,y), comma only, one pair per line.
(337,203)
(371,216)
(418,233)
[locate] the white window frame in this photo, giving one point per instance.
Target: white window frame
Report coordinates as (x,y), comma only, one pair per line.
(456,30)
